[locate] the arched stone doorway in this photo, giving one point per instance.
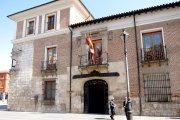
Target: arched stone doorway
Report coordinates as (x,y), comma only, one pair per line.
(96,97)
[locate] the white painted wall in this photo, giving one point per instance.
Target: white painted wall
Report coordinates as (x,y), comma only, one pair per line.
(75,16)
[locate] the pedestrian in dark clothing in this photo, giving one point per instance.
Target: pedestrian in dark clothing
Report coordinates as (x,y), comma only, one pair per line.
(127,107)
(112,108)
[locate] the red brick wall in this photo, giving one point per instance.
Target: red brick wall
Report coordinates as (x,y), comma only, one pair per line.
(4,79)
(64,18)
(63,49)
(171,38)
(19,29)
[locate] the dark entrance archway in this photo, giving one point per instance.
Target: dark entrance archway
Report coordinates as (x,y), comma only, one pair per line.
(96,97)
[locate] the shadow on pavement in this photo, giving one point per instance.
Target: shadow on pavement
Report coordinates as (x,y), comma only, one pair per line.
(175,118)
(3,107)
(102,118)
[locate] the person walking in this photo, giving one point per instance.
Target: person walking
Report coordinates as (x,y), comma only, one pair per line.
(112,108)
(125,105)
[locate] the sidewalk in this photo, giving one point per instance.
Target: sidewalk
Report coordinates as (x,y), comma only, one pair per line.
(9,115)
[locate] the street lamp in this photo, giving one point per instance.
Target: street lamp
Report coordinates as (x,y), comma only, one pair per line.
(124,36)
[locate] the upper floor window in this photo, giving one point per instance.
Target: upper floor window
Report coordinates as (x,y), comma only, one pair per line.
(30,27)
(51,55)
(153,46)
(1,76)
(97,56)
(152,40)
(50,21)
(51,58)
(94,54)
(1,84)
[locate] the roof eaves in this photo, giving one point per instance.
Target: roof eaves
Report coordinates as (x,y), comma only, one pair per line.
(86,9)
(125,14)
(32,8)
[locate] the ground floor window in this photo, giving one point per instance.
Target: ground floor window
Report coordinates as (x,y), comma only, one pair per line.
(50,89)
(157,87)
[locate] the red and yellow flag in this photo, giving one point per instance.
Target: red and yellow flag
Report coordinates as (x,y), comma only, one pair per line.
(90,44)
(91,48)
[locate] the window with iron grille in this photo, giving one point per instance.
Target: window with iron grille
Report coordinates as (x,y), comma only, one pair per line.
(31,27)
(97,56)
(153,46)
(157,87)
(51,22)
(50,88)
(51,57)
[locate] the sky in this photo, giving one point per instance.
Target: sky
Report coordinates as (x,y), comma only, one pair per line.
(98,8)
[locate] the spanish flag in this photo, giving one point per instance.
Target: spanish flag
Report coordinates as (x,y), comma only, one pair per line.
(91,48)
(90,44)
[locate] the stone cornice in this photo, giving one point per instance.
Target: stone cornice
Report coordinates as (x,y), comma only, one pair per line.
(39,36)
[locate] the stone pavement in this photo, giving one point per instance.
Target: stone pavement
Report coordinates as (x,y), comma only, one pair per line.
(11,115)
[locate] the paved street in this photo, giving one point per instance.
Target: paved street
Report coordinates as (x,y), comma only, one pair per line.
(6,115)
(10,115)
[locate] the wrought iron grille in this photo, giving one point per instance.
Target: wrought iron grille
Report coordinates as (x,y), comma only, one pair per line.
(154,54)
(30,30)
(157,87)
(85,60)
(51,25)
(49,65)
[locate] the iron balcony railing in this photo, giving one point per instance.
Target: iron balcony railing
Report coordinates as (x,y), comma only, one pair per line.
(49,65)
(157,53)
(86,60)
(50,25)
(30,30)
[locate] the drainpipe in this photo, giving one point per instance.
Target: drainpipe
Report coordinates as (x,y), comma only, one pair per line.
(137,54)
(70,63)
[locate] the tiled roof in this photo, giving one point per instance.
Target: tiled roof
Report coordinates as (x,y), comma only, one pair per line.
(125,14)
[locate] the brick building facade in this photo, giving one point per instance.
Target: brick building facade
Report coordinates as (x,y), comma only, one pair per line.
(56,72)
(4,81)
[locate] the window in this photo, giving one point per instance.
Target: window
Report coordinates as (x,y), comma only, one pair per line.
(13,63)
(157,87)
(51,58)
(153,48)
(97,44)
(98,51)
(30,28)
(50,90)
(152,40)
(51,22)
(51,55)
(1,83)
